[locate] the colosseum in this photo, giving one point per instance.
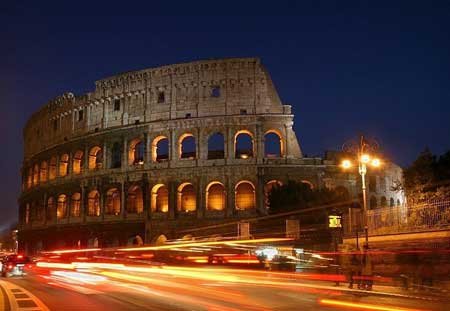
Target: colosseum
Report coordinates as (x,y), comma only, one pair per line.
(152,151)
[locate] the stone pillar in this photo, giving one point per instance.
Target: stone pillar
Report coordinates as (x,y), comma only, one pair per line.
(200,197)
(259,144)
(123,201)
(147,150)
(44,209)
(173,145)
(230,145)
(172,199)
(260,206)
(86,160)
(84,203)
(145,195)
(125,154)
(105,155)
(230,197)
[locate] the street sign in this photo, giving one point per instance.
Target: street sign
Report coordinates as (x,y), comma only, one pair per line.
(334,221)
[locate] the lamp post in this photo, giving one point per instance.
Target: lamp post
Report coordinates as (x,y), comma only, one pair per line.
(364,160)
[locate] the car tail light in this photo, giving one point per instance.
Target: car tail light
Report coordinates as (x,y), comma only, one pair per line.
(10,266)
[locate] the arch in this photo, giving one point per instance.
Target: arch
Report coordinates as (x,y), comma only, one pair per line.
(112,206)
(52,168)
(215,196)
(391,202)
(186,198)
(307,182)
(216,146)
(187,146)
(135,204)
(398,202)
(243,144)
(187,237)
(161,239)
(373,202)
(77,162)
(63,165)
(61,209)
(160,149)
(116,155)
(135,240)
(75,205)
(136,152)
(383,202)
(51,208)
(43,172)
(273,144)
(160,198)
(94,203)
(245,195)
(95,158)
(271,184)
(35,174)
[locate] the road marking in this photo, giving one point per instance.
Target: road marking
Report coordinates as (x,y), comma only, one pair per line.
(21,299)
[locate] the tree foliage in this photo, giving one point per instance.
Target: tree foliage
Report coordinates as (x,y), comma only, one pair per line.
(297,196)
(428,177)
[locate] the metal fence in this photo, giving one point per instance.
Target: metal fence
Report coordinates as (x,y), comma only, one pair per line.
(432,215)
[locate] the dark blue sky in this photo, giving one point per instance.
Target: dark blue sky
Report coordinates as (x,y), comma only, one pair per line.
(346,68)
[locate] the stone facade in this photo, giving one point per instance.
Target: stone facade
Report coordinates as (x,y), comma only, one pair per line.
(135,157)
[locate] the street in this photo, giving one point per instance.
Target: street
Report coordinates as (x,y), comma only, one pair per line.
(118,287)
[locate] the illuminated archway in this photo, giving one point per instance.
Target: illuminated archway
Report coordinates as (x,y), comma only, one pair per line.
(135,204)
(160,198)
(160,149)
(215,196)
(43,172)
(216,143)
(29,176)
(75,205)
(52,169)
(112,206)
(186,199)
(61,209)
(94,203)
(63,165)
(161,240)
(36,174)
(273,144)
(243,144)
(95,158)
(136,152)
(187,146)
(268,188)
(308,183)
(77,163)
(245,195)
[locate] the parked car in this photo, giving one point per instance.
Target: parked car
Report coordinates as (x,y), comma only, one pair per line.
(14,265)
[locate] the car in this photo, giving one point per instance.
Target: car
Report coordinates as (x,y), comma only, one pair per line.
(14,265)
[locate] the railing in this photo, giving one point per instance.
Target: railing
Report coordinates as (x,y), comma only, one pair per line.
(432,215)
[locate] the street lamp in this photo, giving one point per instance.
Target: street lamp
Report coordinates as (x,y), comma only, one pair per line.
(364,160)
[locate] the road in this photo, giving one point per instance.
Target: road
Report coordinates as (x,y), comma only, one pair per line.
(118,287)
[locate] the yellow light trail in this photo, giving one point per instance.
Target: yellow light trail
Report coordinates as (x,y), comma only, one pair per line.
(362,306)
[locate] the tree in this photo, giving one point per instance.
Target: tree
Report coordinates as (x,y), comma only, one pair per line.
(297,196)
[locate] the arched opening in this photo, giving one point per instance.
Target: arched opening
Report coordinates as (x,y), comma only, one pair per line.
(308,183)
(243,144)
(52,169)
(64,165)
(29,178)
(216,145)
(36,174)
(373,202)
(186,145)
(187,199)
(75,204)
(95,158)
(92,243)
(43,173)
(136,152)
(94,203)
(160,149)
(391,202)
(383,202)
(135,204)
(160,240)
(273,145)
(215,196)
(61,209)
(116,156)
(112,206)
(398,202)
(160,198)
(245,195)
(135,241)
(51,208)
(268,188)
(77,163)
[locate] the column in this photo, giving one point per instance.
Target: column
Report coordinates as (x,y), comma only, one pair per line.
(172,199)
(125,154)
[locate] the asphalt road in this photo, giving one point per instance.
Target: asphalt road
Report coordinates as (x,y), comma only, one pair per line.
(182,288)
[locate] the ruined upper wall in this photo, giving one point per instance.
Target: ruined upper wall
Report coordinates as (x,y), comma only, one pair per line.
(190,90)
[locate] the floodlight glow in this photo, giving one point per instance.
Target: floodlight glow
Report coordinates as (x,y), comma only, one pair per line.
(346,164)
(365,158)
(376,162)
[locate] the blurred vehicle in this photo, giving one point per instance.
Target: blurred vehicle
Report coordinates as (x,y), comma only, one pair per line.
(14,265)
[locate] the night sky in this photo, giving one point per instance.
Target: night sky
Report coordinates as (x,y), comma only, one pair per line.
(346,68)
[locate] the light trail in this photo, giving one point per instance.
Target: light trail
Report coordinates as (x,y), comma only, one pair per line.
(362,306)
